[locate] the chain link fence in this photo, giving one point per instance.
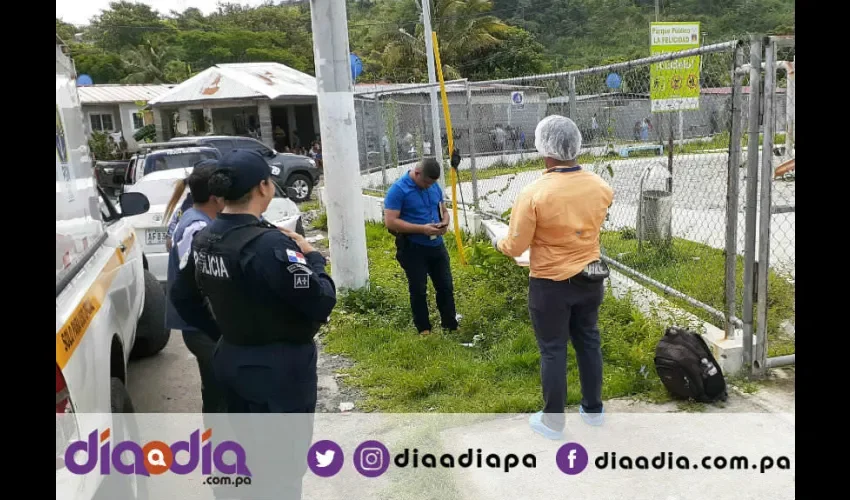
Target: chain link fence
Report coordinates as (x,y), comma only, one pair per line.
(769,208)
(681,168)
(668,166)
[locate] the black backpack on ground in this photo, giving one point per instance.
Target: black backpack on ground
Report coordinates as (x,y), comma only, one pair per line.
(687,368)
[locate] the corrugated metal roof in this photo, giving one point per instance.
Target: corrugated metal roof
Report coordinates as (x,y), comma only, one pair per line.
(105,94)
(241,81)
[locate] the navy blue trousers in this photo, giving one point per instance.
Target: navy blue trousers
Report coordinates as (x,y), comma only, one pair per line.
(563,311)
(419,262)
(277,378)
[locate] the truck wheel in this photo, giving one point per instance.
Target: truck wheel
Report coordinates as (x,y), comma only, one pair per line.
(151,333)
(126,428)
(120,398)
(302,185)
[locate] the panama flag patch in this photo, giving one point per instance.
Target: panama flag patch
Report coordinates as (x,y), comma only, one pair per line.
(295,256)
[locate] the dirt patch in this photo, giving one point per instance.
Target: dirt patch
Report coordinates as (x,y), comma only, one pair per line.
(335,396)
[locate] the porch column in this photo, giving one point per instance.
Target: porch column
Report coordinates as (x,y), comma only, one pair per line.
(315,109)
(208,118)
(159,124)
(290,120)
(264,109)
(186,117)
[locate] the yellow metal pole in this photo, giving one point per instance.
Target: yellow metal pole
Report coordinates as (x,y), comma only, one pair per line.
(439,147)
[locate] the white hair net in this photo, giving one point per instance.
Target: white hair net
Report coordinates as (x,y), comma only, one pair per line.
(557,137)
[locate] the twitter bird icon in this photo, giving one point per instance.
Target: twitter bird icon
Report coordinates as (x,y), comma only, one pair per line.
(325,458)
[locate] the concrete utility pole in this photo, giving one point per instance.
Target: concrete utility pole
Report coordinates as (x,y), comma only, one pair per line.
(342,195)
(437,145)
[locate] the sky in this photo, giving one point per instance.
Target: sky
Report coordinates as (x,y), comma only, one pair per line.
(81,11)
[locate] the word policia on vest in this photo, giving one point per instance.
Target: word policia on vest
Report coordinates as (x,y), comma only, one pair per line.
(211,265)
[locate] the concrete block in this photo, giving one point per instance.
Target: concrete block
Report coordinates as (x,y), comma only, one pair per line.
(470,223)
(373,208)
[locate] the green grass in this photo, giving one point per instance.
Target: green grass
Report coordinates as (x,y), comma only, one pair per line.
(310,205)
(399,371)
(721,141)
(699,271)
(321,221)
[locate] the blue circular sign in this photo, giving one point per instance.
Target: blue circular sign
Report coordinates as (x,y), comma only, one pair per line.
(84,80)
(356,66)
(613,81)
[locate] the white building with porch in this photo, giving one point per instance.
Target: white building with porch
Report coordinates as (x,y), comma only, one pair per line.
(269,101)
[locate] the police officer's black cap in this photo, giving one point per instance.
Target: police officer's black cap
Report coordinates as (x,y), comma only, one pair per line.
(246,169)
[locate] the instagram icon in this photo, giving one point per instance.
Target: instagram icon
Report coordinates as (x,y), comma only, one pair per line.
(371,458)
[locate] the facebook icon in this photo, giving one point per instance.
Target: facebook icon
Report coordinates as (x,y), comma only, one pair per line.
(571,458)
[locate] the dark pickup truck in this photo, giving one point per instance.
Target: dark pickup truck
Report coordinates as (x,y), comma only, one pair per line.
(297,172)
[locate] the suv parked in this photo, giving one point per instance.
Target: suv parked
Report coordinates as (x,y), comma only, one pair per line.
(291,171)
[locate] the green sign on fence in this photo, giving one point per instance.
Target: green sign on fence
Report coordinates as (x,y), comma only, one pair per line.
(674,84)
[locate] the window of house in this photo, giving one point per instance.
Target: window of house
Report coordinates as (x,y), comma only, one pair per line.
(101,122)
(138,120)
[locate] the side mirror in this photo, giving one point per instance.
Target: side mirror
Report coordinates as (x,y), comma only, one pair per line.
(133,204)
(291,193)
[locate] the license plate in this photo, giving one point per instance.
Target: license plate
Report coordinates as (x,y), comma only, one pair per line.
(155,237)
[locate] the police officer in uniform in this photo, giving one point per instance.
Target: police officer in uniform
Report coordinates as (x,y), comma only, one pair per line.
(266,291)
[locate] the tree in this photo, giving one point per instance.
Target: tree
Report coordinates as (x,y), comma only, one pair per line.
(100,65)
(153,62)
(65,31)
(125,24)
(463,27)
(516,54)
(478,39)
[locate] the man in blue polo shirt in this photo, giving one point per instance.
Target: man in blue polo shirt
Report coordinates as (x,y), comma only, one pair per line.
(415,213)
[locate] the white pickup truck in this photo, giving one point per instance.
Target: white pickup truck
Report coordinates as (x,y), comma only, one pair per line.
(108,306)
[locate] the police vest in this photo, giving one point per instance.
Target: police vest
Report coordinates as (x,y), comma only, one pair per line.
(244,313)
(172,319)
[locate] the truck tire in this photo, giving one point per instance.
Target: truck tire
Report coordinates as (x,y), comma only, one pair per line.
(151,332)
(302,184)
(119,397)
(129,486)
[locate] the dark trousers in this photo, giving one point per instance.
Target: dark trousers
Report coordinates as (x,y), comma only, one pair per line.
(562,311)
(276,378)
(419,262)
(202,346)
